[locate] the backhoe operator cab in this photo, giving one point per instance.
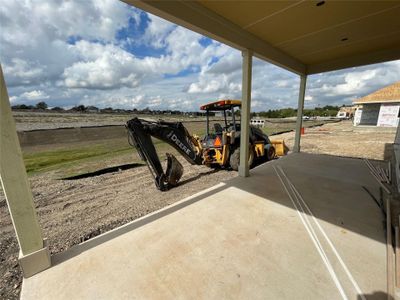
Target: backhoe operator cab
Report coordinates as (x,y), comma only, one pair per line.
(221,143)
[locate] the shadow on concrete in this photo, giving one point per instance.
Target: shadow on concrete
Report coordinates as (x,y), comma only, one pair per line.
(104,171)
(388,152)
(375,296)
(378,201)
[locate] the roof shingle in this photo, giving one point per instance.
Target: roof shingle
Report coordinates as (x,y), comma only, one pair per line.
(390,93)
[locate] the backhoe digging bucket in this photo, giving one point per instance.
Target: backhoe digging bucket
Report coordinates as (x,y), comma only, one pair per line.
(174,170)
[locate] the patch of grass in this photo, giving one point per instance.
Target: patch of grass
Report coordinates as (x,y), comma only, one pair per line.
(72,159)
(41,161)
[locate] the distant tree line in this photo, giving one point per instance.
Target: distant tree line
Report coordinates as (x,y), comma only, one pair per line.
(38,106)
(326,111)
(42,106)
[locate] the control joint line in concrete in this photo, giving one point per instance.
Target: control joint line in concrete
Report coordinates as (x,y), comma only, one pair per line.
(314,239)
(346,270)
(334,250)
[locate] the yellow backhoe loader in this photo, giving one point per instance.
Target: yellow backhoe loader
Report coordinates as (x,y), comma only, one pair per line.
(220,147)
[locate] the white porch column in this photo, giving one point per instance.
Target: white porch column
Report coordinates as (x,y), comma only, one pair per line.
(300,106)
(245,113)
(34,256)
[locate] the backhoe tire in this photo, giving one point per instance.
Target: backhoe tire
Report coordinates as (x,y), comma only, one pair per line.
(234,160)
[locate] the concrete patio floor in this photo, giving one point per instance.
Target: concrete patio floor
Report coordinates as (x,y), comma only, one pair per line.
(245,238)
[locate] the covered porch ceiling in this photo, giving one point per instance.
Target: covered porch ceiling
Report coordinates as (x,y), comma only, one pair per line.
(305,37)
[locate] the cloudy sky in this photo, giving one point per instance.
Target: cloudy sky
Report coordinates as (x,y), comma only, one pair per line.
(106,53)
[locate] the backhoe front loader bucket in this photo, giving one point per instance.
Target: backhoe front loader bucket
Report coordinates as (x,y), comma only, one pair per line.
(280,148)
(174,170)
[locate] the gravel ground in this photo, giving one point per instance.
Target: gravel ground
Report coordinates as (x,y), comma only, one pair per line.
(72,211)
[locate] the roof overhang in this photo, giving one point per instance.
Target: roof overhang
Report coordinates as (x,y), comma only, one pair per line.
(297,35)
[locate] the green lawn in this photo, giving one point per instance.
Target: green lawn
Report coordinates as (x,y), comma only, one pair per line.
(75,158)
(71,160)
(43,161)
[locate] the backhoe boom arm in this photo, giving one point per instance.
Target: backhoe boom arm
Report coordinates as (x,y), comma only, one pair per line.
(175,134)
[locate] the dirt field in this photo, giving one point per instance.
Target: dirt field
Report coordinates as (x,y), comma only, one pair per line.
(343,139)
(51,120)
(72,211)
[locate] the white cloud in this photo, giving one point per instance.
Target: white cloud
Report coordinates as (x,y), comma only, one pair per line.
(222,76)
(210,86)
(68,52)
(341,87)
(282,83)
(352,81)
(269,83)
(108,66)
(157,31)
(183,50)
(34,34)
(93,19)
(24,71)
(13,99)
(101,67)
(34,95)
(230,62)
(115,101)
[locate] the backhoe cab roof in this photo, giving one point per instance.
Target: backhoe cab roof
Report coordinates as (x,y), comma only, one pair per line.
(221,105)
